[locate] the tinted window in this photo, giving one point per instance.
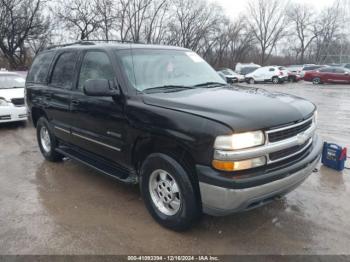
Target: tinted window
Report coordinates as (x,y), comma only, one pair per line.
(308,68)
(339,71)
(271,69)
(63,73)
(326,70)
(40,67)
(96,65)
(347,66)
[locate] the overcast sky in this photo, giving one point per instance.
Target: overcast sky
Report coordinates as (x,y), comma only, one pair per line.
(235,7)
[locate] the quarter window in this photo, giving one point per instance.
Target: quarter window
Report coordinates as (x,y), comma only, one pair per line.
(40,68)
(96,65)
(63,73)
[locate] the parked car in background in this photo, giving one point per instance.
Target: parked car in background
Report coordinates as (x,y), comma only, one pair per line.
(12,106)
(244,69)
(307,68)
(231,76)
(296,69)
(328,75)
(274,74)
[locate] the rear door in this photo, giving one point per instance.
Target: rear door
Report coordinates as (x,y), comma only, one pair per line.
(58,93)
(98,121)
(339,76)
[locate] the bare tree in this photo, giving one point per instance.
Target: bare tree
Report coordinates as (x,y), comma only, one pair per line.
(80,16)
(303,22)
(193,21)
(328,27)
(105,10)
(20,21)
(155,26)
(267,21)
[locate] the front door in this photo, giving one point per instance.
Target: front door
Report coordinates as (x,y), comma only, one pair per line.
(98,121)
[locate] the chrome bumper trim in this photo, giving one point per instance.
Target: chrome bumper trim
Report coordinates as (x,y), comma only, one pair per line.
(218,201)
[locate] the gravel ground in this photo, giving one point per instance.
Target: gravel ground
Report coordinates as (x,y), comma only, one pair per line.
(67,208)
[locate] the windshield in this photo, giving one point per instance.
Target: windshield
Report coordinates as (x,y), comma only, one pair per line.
(11,81)
(148,69)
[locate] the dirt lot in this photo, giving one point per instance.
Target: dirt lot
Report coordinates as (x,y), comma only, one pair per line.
(67,208)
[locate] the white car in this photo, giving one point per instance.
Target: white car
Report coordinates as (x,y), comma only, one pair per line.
(12,106)
(231,76)
(274,74)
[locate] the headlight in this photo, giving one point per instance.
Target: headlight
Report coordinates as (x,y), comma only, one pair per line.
(240,141)
(245,140)
(3,102)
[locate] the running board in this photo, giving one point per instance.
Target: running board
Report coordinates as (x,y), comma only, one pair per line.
(103,166)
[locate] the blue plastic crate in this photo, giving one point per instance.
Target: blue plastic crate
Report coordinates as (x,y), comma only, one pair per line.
(334,156)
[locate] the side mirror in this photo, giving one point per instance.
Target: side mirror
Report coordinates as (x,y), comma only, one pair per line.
(99,87)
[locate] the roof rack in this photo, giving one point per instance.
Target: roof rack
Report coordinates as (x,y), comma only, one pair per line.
(92,42)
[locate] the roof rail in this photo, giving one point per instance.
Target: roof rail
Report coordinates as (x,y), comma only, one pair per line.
(113,41)
(92,42)
(81,42)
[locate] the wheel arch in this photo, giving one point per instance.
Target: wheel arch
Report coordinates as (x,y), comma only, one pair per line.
(36,113)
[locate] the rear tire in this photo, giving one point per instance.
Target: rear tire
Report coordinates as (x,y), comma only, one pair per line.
(169,193)
(47,141)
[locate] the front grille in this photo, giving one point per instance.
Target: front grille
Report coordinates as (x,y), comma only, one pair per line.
(289,132)
(288,151)
(5,117)
(17,101)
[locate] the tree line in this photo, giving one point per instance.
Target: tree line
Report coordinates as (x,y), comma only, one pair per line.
(268,32)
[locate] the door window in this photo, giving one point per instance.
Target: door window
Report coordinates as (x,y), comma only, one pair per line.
(96,65)
(63,73)
(339,71)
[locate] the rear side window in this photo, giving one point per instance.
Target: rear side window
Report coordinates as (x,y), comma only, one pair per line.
(40,68)
(271,69)
(64,70)
(339,71)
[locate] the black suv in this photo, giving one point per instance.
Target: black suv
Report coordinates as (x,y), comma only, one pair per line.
(162,117)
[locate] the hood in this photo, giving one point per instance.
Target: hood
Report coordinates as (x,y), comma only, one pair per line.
(10,93)
(242,109)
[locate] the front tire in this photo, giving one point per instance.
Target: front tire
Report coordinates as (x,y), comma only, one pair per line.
(275,80)
(47,141)
(169,193)
(251,81)
(316,81)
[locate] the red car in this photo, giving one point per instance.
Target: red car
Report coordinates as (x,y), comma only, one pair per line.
(328,75)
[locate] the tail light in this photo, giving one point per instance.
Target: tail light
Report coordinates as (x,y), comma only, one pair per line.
(281,73)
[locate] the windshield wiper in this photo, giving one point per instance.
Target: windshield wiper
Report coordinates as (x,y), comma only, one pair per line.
(166,88)
(210,84)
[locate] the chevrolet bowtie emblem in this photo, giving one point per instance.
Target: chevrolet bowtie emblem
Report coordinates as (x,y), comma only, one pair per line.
(302,138)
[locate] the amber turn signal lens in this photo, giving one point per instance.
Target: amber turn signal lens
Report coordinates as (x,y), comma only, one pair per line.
(223,165)
(230,166)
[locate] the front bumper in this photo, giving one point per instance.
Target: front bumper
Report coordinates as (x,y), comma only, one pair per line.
(13,114)
(220,200)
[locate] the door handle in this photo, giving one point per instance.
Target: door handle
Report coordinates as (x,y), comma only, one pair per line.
(48,96)
(75,102)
